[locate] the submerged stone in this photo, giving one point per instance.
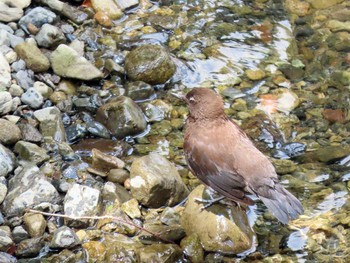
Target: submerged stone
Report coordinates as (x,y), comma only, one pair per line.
(149,63)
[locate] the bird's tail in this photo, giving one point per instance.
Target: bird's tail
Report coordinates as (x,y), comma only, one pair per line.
(282,204)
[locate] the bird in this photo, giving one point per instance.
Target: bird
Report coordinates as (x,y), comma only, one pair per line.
(222,156)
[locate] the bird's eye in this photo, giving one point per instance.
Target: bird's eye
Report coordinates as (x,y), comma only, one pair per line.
(192,99)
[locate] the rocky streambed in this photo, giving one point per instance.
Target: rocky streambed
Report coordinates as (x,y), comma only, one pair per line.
(91,160)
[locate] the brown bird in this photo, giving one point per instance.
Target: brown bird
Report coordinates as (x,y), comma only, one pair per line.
(222,156)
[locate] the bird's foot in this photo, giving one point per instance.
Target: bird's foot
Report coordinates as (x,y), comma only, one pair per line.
(209,202)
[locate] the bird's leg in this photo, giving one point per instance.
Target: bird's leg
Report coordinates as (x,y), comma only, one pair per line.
(209,202)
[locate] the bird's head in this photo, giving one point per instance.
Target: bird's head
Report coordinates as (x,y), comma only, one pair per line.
(204,103)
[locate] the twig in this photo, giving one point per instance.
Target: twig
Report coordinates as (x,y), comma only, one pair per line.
(102,217)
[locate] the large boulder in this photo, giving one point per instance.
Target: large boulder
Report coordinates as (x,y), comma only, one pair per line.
(220,228)
(149,63)
(155,182)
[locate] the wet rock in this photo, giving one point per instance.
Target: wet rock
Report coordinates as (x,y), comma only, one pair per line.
(103,19)
(336,26)
(104,162)
(31,152)
(7,137)
(126,4)
(332,153)
(109,7)
(149,63)
(5,72)
(35,224)
(336,115)
(115,194)
(110,147)
(290,150)
(156,110)
(173,232)
(66,62)
(38,16)
(5,238)
(25,78)
(27,188)
(131,208)
(156,182)
(118,176)
(64,237)
(32,98)
(166,253)
(122,248)
(322,4)
(5,102)
(75,132)
(30,247)
(96,251)
(30,133)
(81,201)
(139,90)
(66,256)
(19,234)
(192,248)
(122,117)
(97,129)
(4,257)
(32,55)
(7,161)
(51,124)
(219,228)
(284,166)
(255,74)
(169,216)
(50,36)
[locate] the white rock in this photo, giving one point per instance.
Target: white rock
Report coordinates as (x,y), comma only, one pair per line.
(5,73)
(5,102)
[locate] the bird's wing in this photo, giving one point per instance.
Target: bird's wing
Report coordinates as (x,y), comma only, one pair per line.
(212,160)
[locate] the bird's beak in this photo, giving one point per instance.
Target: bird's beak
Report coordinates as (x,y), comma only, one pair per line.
(179,96)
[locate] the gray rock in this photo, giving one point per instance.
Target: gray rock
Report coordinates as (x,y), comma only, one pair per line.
(4,257)
(18,65)
(115,194)
(228,224)
(16,101)
(5,102)
(118,175)
(66,62)
(27,188)
(30,247)
(7,161)
(5,238)
(3,189)
(64,237)
(97,129)
(51,124)
(38,16)
(32,55)
(81,201)
(126,4)
(19,234)
(9,132)
(9,13)
(30,133)
(32,98)
(139,90)
(122,117)
(31,152)
(5,72)
(149,63)
(155,182)
(4,37)
(50,36)
(24,78)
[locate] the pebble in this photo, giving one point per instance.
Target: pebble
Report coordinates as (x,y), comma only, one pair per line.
(32,98)
(38,16)
(5,102)
(15,90)
(5,72)
(24,78)
(64,237)
(7,161)
(7,137)
(50,36)
(9,12)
